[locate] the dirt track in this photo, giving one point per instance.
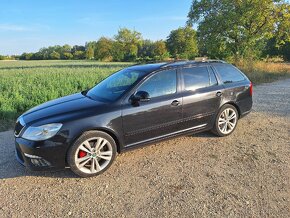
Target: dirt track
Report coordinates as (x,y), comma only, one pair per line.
(243,175)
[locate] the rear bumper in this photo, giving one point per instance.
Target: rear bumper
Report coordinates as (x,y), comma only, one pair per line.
(38,156)
(245,113)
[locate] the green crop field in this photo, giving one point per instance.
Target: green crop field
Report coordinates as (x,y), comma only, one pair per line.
(24,84)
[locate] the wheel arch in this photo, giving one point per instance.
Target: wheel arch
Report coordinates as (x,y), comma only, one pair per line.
(235,105)
(105,130)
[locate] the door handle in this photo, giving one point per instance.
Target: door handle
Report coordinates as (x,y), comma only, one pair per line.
(219,94)
(175,103)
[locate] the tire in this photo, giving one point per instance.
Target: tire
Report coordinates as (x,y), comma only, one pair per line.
(226,120)
(92,153)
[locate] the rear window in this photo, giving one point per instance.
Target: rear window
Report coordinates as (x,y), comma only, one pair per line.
(229,73)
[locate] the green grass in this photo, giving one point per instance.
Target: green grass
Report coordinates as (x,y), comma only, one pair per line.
(25,84)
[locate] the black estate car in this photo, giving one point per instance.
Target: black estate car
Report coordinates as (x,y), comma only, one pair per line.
(138,105)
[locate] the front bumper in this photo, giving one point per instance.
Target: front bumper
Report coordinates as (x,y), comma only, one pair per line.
(42,155)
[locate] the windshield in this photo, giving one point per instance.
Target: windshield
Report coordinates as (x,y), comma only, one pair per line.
(111,88)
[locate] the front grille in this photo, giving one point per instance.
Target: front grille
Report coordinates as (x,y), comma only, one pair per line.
(19,127)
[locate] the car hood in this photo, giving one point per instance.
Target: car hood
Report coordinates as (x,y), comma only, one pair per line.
(61,107)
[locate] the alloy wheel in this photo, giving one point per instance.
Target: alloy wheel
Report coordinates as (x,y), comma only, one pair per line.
(93,155)
(227,121)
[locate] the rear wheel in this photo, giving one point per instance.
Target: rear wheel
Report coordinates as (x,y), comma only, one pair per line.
(226,120)
(92,154)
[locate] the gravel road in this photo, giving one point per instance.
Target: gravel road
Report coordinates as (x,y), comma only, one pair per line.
(243,175)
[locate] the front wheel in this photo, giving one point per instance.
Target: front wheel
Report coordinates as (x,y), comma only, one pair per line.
(226,120)
(92,153)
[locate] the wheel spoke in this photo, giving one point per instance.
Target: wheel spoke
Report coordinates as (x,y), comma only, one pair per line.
(227,113)
(79,160)
(87,145)
(97,145)
(93,168)
(83,148)
(98,167)
(231,125)
(232,116)
(228,126)
(221,121)
(103,144)
(223,115)
(107,155)
(224,129)
(84,163)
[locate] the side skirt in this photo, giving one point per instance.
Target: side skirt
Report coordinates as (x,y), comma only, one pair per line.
(195,129)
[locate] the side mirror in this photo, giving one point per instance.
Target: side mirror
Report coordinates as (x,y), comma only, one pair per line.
(141,96)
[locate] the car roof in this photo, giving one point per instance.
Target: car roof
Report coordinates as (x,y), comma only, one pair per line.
(172,64)
(147,67)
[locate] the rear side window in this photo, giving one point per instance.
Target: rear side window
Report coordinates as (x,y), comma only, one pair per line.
(196,77)
(229,73)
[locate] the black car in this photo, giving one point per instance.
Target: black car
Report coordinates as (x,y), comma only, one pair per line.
(138,105)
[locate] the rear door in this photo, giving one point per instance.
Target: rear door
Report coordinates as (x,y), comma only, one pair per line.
(201,97)
(236,86)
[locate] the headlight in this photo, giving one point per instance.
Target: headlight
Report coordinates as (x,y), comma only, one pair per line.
(40,133)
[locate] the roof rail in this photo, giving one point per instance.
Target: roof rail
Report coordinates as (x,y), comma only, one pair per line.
(183,61)
(214,61)
(146,62)
(173,62)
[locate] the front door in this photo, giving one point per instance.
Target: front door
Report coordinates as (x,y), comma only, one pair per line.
(158,116)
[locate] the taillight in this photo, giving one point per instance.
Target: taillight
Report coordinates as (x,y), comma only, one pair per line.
(251,89)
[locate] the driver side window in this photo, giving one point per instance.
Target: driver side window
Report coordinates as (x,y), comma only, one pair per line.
(160,84)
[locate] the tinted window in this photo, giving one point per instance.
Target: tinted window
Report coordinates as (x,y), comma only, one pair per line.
(195,78)
(115,85)
(162,83)
(229,73)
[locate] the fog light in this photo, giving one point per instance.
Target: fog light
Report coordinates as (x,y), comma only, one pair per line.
(32,156)
(37,161)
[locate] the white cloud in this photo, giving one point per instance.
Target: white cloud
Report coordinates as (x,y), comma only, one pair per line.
(12,27)
(20,28)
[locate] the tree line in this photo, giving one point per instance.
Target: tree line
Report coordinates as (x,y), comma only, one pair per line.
(126,45)
(226,29)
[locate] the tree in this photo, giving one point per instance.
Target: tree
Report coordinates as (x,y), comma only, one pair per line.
(26,56)
(182,43)
(233,28)
(146,50)
(67,56)
(78,48)
(159,50)
(103,49)
(90,51)
(128,41)
(118,52)
(54,55)
(79,55)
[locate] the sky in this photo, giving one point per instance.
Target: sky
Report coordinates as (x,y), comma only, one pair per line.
(27,26)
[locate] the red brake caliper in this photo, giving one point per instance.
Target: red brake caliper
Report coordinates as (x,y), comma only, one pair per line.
(82,154)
